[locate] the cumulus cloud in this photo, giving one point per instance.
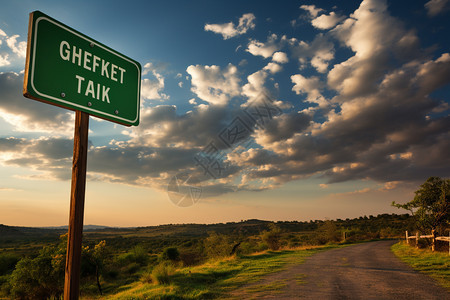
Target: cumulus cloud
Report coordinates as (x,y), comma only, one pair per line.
(435,7)
(151,88)
(255,85)
(28,115)
(312,10)
(18,48)
(373,35)
(280,57)
(312,87)
(372,115)
(229,30)
(318,53)
(265,50)
(214,85)
(4,61)
(327,21)
(273,67)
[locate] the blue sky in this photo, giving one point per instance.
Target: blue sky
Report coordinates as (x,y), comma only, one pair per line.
(361,90)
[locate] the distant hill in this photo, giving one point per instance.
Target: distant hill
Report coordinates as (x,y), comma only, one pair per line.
(10,235)
(85,227)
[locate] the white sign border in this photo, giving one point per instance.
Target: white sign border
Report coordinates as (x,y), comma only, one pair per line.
(72,103)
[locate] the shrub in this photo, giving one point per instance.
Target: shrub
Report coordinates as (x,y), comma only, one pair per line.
(171,254)
(190,258)
(133,268)
(161,274)
(140,255)
(7,263)
(272,237)
(218,245)
(146,277)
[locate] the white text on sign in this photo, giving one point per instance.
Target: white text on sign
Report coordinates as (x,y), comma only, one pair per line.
(93,63)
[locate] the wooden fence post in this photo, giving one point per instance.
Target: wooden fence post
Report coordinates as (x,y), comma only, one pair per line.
(406,235)
(417,239)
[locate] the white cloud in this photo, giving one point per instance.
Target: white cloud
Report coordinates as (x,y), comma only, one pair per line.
(214,85)
(312,10)
(18,48)
(327,21)
(151,89)
(318,53)
(311,86)
(2,33)
(26,115)
(273,67)
(373,35)
(229,30)
(255,85)
(264,49)
(4,60)
(280,57)
(435,7)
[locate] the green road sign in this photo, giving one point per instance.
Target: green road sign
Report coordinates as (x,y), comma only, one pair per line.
(68,69)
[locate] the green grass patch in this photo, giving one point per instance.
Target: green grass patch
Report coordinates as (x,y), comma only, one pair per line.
(300,279)
(434,264)
(216,279)
(272,287)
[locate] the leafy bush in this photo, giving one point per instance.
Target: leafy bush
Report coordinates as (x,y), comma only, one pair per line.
(7,262)
(140,255)
(272,237)
(171,254)
(218,245)
(161,274)
(146,277)
(38,278)
(133,268)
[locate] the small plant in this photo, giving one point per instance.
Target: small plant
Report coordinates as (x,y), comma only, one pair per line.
(171,254)
(162,273)
(146,277)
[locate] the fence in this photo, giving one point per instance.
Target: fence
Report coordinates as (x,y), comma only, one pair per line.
(417,237)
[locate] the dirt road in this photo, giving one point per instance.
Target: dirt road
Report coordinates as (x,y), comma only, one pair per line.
(363,271)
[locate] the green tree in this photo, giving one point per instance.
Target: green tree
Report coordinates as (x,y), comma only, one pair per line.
(272,237)
(218,245)
(41,277)
(430,206)
(93,262)
(328,232)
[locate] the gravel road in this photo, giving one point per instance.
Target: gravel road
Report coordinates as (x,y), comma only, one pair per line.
(363,271)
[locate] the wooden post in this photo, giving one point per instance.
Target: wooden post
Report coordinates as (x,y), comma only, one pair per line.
(417,239)
(406,235)
(73,259)
(449,243)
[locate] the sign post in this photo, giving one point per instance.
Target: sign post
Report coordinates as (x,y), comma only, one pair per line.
(70,70)
(73,258)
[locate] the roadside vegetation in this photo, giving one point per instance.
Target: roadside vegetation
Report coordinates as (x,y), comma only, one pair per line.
(186,261)
(434,264)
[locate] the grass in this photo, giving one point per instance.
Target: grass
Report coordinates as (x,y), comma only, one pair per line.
(217,279)
(434,264)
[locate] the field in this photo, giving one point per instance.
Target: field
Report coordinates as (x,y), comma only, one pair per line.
(185,261)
